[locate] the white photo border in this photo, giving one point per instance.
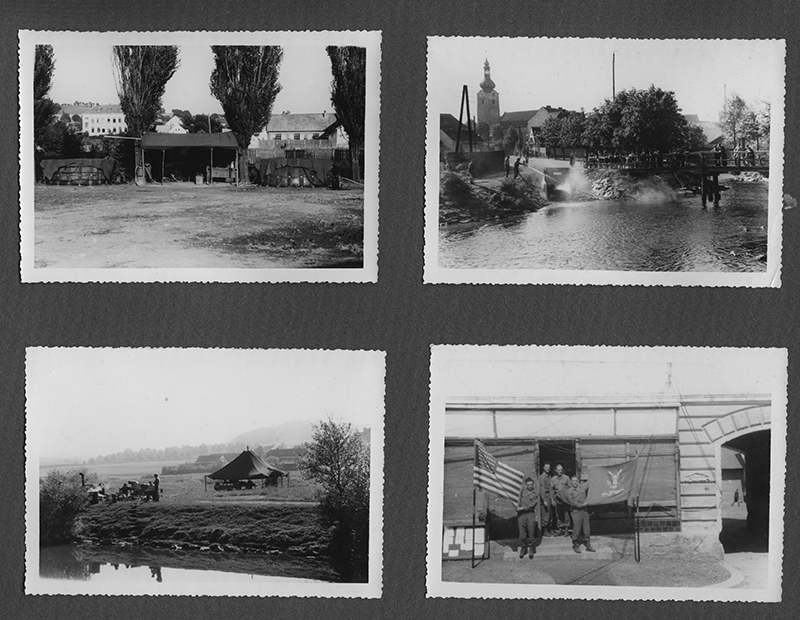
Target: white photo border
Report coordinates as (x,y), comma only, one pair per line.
(437,588)
(283,587)
(368,273)
(434,274)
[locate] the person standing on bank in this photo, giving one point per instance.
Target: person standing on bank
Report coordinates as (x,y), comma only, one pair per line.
(546,497)
(560,482)
(156,484)
(516,168)
(576,496)
(526,517)
(507,164)
(736,501)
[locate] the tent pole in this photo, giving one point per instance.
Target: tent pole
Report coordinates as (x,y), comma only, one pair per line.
(205,484)
(163,155)
(211,170)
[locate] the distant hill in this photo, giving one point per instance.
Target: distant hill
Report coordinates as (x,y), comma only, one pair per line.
(288,435)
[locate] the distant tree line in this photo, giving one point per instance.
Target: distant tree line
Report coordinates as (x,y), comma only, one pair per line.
(175,453)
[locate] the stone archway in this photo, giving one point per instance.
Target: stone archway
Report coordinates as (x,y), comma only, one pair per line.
(746,430)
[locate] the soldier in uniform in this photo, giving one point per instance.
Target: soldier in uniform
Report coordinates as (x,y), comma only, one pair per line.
(560,482)
(576,496)
(526,517)
(546,496)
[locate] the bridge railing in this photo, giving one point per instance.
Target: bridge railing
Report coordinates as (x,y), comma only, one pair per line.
(648,161)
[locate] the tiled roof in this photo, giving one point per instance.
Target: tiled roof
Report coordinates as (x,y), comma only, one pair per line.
(300,122)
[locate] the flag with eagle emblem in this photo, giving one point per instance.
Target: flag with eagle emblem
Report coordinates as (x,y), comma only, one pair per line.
(612,483)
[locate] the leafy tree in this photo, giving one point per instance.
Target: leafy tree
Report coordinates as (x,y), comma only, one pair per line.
(638,120)
(199,123)
(572,128)
(550,133)
(339,461)
(43,107)
(349,97)
(511,139)
(61,500)
(497,136)
(142,73)
(695,138)
(732,118)
(483,130)
(61,141)
(245,82)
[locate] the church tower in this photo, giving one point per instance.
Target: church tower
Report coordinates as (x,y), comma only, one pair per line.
(488,99)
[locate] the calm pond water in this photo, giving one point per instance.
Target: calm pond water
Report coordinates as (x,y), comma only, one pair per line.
(108,565)
(621,236)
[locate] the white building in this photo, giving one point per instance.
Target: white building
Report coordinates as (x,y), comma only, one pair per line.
(103,120)
(301,131)
(173,125)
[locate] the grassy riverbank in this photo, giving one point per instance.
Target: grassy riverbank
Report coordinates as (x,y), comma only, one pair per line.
(234,527)
(462,202)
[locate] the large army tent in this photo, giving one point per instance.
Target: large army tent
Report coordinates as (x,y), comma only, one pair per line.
(248,466)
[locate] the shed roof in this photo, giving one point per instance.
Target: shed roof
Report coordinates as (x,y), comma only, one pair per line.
(224,140)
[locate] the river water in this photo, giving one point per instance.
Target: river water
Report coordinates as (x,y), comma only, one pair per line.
(667,236)
(113,565)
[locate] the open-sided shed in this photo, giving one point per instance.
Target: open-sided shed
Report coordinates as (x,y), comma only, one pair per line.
(166,141)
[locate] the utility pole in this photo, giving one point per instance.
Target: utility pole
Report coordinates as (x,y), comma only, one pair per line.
(614,76)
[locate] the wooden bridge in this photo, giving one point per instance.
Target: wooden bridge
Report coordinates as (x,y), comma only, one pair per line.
(705,165)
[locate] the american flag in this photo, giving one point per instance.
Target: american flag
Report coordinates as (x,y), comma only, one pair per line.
(493,476)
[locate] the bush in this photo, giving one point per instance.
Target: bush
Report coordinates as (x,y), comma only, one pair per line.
(61,500)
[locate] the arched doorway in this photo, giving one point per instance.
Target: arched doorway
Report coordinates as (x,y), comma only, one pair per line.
(747,530)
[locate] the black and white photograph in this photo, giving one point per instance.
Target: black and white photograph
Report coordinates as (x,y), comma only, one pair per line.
(604,161)
(199,156)
(217,472)
(634,473)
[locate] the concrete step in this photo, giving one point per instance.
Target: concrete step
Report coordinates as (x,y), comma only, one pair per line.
(561,549)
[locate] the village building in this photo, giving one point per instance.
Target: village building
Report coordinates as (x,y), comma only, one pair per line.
(449,136)
(171,125)
(285,458)
(712,130)
(104,120)
(528,123)
(300,131)
(692,451)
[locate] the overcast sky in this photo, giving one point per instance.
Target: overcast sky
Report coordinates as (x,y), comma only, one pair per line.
(607,372)
(86,402)
(85,73)
(576,73)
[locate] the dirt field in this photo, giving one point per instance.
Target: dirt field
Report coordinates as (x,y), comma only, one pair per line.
(182,225)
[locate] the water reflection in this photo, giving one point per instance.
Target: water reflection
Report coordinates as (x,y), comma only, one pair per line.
(103,564)
(621,236)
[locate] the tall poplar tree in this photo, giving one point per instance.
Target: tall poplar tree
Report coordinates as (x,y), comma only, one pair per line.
(349,96)
(43,107)
(245,81)
(142,73)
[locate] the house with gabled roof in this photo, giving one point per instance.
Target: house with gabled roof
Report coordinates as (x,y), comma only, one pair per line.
(297,131)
